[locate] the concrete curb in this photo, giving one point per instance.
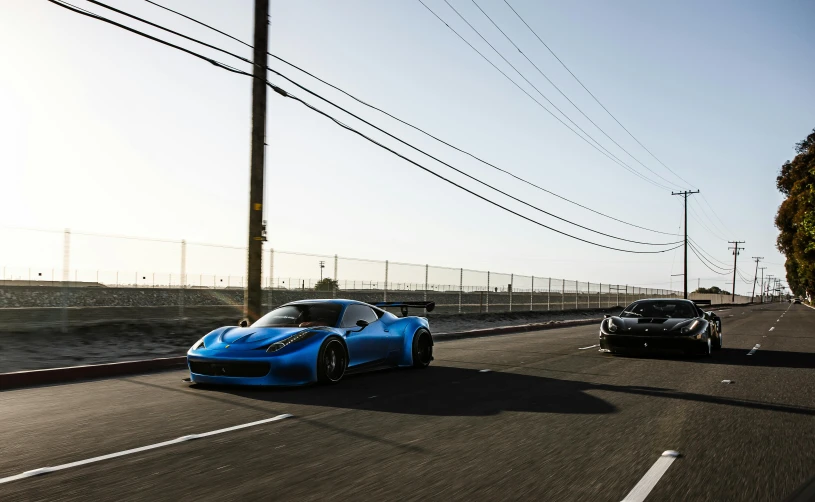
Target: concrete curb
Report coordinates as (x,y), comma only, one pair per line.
(541,326)
(73,373)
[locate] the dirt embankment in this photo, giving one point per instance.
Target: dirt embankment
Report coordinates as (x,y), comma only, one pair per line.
(113,341)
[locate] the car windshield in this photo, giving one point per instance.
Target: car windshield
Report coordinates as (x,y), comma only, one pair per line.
(660,309)
(301,315)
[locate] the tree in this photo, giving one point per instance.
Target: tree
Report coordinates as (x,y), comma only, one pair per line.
(327,284)
(713,290)
(796,217)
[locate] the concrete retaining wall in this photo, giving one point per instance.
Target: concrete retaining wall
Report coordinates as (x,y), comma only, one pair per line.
(47,306)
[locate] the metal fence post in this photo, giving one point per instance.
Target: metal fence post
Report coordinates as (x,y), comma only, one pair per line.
(385,291)
(271,278)
(460,288)
(66,276)
(182,281)
(426,270)
(576,295)
(549,295)
(511,287)
(531,294)
(625,298)
(600,296)
(336,283)
(487,304)
(563,294)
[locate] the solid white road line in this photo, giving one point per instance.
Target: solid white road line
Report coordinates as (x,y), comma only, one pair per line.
(754,349)
(45,470)
(584,348)
(649,481)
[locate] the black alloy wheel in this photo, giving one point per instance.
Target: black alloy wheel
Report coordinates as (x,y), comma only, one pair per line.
(331,362)
(422,349)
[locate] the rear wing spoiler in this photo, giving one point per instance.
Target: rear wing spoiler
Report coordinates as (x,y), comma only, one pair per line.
(404,306)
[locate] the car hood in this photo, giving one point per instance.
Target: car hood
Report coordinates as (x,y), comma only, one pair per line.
(251,338)
(651,326)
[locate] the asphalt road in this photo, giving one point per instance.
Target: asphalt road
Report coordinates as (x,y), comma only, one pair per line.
(549,421)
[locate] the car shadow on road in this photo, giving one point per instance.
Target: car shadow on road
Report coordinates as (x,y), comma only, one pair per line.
(738,357)
(440,391)
(451,391)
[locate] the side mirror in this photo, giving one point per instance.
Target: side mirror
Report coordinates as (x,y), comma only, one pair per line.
(362,323)
(244,323)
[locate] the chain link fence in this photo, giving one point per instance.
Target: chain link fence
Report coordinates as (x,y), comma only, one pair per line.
(94,276)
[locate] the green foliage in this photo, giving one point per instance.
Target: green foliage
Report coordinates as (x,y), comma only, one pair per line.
(713,290)
(327,284)
(796,217)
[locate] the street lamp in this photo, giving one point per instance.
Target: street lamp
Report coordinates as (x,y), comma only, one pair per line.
(322,266)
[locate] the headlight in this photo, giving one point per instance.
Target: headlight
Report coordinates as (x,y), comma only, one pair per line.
(199,345)
(299,337)
(690,327)
(611,327)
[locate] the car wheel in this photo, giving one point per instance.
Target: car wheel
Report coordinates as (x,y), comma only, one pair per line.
(718,344)
(422,349)
(332,361)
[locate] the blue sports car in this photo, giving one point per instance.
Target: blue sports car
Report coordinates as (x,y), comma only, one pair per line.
(313,341)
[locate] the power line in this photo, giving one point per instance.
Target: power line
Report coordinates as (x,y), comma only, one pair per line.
(707,254)
(593,96)
(392,135)
(351,129)
(698,220)
(597,147)
(704,199)
(707,263)
(693,250)
(713,224)
(567,98)
(284,93)
(380,110)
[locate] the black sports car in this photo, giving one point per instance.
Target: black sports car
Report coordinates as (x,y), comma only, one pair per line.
(678,326)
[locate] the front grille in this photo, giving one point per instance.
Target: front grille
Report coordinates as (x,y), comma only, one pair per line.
(230,368)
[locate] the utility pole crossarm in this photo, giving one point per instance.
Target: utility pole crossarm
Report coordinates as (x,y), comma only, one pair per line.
(685,197)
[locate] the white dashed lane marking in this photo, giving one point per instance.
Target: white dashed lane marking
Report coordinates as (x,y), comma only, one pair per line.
(649,481)
(772,328)
(46,470)
(754,349)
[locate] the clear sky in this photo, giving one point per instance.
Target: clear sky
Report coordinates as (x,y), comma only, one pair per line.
(104,131)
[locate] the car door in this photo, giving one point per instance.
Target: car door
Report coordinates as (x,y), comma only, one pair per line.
(367,345)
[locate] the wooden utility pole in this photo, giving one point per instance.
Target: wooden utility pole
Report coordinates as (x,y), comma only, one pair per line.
(755,278)
(736,250)
(685,197)
(762,283)
(253,294)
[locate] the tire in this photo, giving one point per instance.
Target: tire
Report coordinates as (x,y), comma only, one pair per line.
(718,344)
(332,361)
(422,349)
